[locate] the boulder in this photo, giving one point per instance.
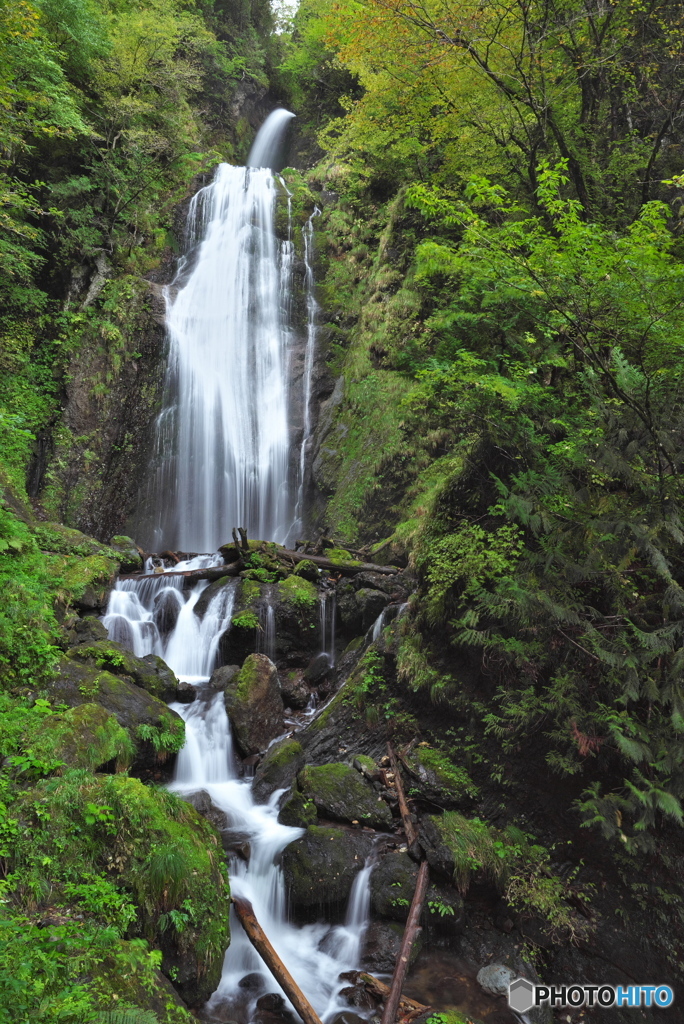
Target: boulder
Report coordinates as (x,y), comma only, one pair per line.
(341,793)
(319,867)
(254,705)
(392,885)
(382,945)
(240,639)
(370,604)
(318,669)
(186,693)
(205,806)
(87,630)
(223,676)
(86,736)
(295,690)
(278,769)
(495,979)
(298,634)
(156,730)
(438,780)
(126,549)
(211,591)
(308,571)
(151,673)
(298,811)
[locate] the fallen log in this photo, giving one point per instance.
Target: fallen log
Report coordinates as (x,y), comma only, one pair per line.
(409,827)
(259,940)
(391,1007)
(215,572)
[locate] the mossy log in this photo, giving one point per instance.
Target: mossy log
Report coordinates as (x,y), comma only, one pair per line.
(215,572)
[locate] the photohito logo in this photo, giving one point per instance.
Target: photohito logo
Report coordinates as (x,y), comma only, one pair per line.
(523,995)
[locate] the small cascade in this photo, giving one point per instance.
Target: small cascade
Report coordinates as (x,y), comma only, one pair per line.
(266,640)
(314,954)
(327,615)
(377,625)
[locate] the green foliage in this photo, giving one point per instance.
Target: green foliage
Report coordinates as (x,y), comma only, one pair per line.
(298,592)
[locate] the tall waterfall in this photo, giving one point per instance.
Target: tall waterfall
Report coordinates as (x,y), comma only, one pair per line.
(222,445)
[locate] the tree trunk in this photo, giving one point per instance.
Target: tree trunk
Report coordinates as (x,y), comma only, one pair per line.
(412,926)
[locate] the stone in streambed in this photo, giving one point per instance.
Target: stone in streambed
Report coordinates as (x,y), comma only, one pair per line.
(382,945)
(392,885)
(298,811)
(278,769)
(254,705)
(318,669)
(370,603)
(295,690)
(319,867)
(341,793)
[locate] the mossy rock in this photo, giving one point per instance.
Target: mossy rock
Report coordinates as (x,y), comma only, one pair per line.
(151,848)
(299,592)
(157,730)
(298,633)
(392,885)
(241,638)
(86,736)
(278,769)
(254,704)
(435,778)
(211,591)
(298,810)
(308,570)
(151,673)
(65,541)
(156,995)
(319,867)
(130,558)
(340,793)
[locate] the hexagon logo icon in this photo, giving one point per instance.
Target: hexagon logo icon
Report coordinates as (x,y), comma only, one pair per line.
(521,995)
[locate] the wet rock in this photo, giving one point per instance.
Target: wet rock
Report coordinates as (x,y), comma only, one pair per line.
(272,1001)
(495,979)
(223,676)
(252,982)
(318,669)
(296,603)
(130,558)
(347,1017)
(186,693)
(211,591)
(389,585)
(88,630)
(241,638)
(166,609)
(204,805)
(370,604)
(392,885)
(254,704)
(295,690)
(319,867)
(438,780)
(278,769)
(349,614)
(383,942)
(298,811)
(79,682)
(341,793)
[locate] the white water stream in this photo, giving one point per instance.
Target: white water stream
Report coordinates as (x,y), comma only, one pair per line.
(222,460)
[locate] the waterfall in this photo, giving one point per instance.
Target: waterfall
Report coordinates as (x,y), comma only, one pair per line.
(222,460)
(222,440)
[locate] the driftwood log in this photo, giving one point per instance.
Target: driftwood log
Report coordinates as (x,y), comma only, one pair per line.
(259,940)
(408,1008)
(393,1000)
(216,572)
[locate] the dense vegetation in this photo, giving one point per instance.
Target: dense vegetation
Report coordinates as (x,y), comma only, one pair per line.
(501,275)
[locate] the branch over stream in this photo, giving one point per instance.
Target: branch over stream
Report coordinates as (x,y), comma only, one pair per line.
(216,572)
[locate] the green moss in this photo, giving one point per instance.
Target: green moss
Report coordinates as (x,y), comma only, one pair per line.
(166,738)
(285,753)
(77,574)
(250,591)
(454,779)
(298,810)
(340,555)
(298,592)
(341,793)
(366,762)
(86,736)
(308,570)
(452,1017)
(245,620)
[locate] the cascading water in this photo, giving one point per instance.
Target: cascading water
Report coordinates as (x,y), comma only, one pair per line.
(221,461)
(222,445)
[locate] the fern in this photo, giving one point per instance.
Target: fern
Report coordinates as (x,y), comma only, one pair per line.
(126,1015)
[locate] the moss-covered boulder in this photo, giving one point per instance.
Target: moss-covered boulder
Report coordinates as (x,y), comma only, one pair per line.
(319,868)
(308,571)
(86,736)
(278,769)
(151,673)
(340,793)
(436,778)
(223,676)
(298,811)
(87,630)
(241,638)
(131,856)
(254,705)
(223,585)
(297,621)
(156,730)
(130,558)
